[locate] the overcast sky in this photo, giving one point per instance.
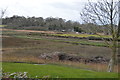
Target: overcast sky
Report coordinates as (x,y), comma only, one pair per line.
(66,9)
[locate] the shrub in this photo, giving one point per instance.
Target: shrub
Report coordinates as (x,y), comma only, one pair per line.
(94,38)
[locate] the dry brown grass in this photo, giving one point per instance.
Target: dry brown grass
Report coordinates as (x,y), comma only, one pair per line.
(22,59)
(28,50)
(48,32)
(36,47)
(32,59)
(90,66)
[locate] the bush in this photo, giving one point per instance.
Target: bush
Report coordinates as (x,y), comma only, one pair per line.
(94,38)
(78,29)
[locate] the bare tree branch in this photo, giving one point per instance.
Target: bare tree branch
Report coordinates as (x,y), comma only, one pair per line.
(104,12)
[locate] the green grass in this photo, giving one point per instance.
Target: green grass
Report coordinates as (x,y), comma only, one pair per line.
(55,71)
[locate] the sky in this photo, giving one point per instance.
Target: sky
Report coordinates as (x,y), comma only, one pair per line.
(66,9)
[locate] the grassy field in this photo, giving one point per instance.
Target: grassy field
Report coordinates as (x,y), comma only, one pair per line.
(21,46)
(14,46)
(58,33)
(53,36)
(82,42)
(54,71)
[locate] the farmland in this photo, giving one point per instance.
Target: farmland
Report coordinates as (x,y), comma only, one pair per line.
(27,46)
(60,39)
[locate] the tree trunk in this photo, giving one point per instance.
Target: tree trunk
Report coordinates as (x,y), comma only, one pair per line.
(111,64)
(113,60)
(0,21)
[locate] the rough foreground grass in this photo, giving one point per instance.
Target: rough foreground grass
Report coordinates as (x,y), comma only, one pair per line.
(54,71)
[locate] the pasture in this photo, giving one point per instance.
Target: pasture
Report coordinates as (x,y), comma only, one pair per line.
(54,71)
(27,46)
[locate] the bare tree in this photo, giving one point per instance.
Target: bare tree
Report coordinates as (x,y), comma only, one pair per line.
(105,12)
(2,12)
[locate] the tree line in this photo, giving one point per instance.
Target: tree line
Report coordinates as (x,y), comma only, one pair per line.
(49,23)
